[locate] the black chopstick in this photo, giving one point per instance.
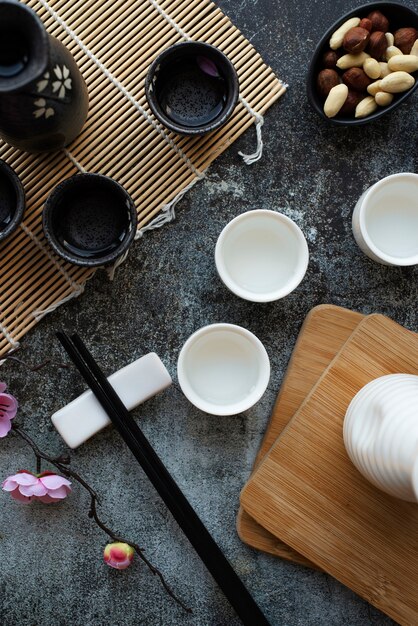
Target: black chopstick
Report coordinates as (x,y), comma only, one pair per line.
(187,518)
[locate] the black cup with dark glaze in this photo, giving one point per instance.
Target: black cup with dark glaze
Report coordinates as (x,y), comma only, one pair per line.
(399,16)
(192,88)
(12,200)
(89,220)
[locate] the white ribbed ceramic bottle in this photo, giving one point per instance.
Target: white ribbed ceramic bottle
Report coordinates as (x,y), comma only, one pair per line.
(381,434)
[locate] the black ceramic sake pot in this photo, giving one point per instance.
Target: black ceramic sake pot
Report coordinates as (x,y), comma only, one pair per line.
(43,97)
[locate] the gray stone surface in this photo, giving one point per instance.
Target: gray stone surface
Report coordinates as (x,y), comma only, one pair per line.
(51,572)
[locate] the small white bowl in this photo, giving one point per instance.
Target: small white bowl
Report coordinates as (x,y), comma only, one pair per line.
(223,369)
(261,255)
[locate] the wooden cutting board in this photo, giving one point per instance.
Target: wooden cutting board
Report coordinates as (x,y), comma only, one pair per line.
(308,493)
(325,330)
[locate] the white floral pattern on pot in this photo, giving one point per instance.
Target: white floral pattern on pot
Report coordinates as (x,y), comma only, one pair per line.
(43,83)
(63,81)
(60,86)
(42,110)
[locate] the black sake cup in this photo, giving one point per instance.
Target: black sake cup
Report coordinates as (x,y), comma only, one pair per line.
(89,220)
(12,200)
(399,16)
(192,88)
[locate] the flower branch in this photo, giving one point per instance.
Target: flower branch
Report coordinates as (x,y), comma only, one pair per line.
(49,487)
(93,514)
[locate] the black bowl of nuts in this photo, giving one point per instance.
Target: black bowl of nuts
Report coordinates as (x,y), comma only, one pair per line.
(366,64)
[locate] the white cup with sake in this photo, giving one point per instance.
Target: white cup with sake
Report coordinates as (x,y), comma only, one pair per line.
(385,220)
(261,255)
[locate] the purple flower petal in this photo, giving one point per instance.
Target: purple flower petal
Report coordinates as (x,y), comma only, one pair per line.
(33,490)
(53,481)
(59,494)
(5,426)
(207,66)
(9,485)
(8,405)
(3,387)
(24,478)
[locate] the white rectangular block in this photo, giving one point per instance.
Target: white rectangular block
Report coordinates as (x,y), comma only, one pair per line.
(84,417)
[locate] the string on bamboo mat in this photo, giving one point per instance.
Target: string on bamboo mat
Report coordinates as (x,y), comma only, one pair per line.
(113,43)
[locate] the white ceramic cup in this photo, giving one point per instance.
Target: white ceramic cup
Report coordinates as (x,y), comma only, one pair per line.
(261,255)
(223,369)
(385,220)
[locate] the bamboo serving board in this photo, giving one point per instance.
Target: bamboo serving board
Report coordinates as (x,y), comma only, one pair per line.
(308,493)
(323,333)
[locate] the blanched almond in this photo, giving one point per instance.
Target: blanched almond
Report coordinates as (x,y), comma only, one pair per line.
(390,39)
(397,82)
(374,88)
(336,98)
(384,69)
(337,38)
(392,51)
(414,49)
(403,63)
(383,99)
(365,107)
(352,60)
(372,68)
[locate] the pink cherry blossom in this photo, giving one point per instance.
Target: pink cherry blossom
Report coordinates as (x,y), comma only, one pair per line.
(46,487)
(8,409)
(118,555)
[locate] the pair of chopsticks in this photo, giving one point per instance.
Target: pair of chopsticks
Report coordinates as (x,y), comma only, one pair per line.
(187,518)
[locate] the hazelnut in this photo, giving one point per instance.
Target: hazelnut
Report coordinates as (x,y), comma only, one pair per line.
(327,79)
(329,59)
(356,40)
(379,21)
(405,39)
(377,45)
(366,23)
(355,78)
(351,102)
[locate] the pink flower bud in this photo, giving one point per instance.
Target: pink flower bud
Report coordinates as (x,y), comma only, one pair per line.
(118,555)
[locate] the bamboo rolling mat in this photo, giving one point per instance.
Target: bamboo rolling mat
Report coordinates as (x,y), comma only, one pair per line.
(324,332)
(113,43)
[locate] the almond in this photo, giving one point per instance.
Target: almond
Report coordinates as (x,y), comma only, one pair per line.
(372,68)
(365,107)
(352,60)
(373,88)
(403,63)
(392,51)
(397,82)
(336,98)
(383,99)
(384,69)
(390,39)
(414,49)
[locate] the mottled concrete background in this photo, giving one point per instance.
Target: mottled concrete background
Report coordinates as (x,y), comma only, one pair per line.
(51,572)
